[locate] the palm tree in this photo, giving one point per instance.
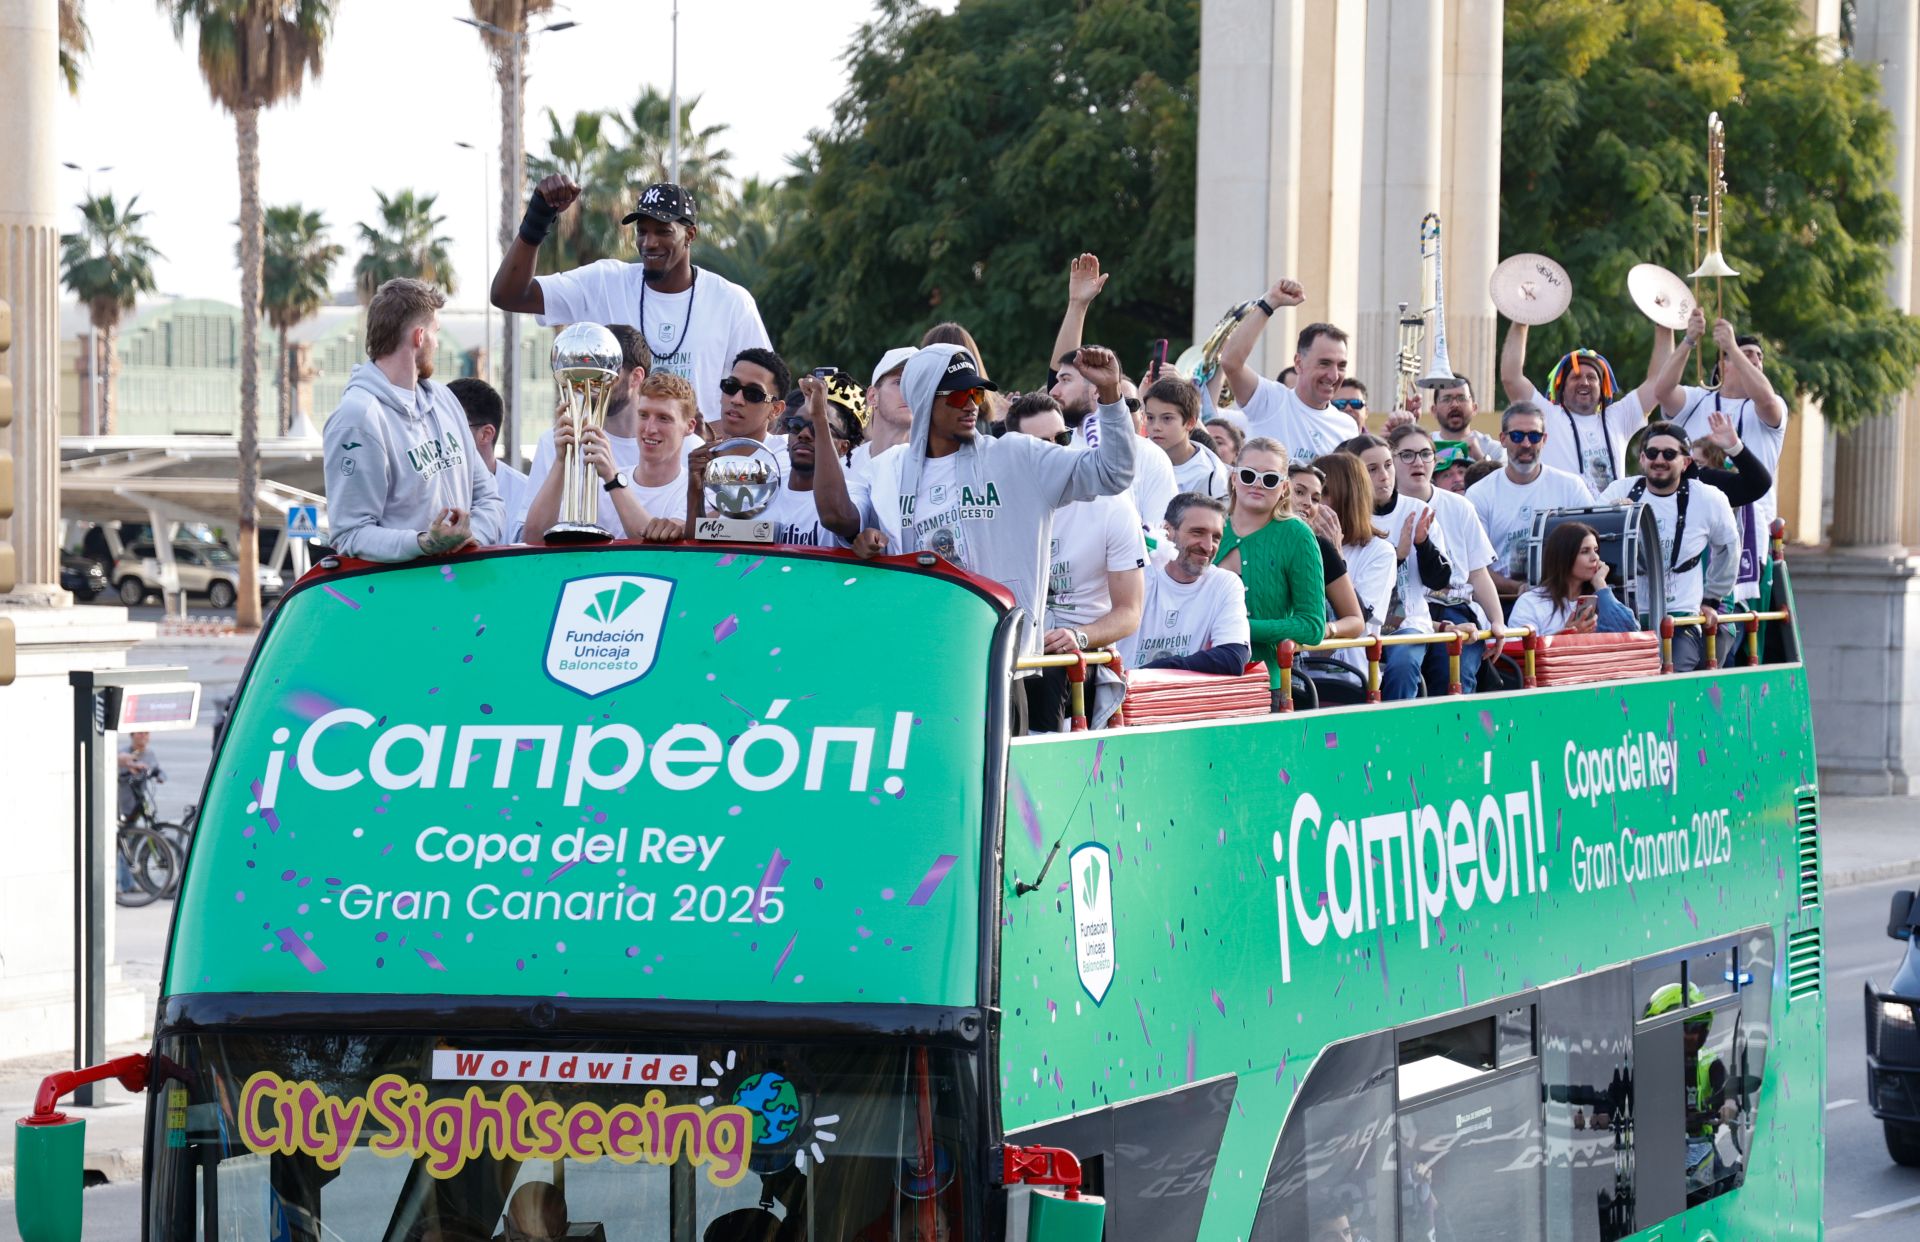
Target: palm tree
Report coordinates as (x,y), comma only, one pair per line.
(403,244)
(107,265)
(253,54)
(646,127)
(581,150)
(76,41)
(736,236)
(297,264)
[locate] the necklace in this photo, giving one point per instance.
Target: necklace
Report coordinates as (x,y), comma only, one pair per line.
(692,288)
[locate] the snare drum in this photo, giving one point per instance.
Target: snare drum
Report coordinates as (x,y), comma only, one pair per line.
(1630,545)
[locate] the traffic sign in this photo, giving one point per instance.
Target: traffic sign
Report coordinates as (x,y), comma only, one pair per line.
(303,522)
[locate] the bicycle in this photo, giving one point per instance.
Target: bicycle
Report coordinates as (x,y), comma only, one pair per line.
(149,862)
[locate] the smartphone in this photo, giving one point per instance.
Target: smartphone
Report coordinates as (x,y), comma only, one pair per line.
(1159,358)
(825,372)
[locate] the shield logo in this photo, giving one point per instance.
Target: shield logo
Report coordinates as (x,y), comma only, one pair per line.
(606,631)
(1090,869)
(1173,619)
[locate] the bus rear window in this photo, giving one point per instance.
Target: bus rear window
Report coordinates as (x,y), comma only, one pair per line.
(405,1139)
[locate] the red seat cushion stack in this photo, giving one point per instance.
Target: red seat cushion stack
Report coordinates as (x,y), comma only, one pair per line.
(1568,659)
(1169,696)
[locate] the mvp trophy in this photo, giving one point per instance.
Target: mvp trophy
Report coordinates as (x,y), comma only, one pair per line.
(586,362)
(741,480)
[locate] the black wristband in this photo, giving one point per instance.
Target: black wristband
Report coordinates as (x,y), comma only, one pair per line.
(1261,302)
(538,222)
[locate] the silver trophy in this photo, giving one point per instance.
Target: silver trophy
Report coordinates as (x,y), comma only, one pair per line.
(741,480)
(586,363)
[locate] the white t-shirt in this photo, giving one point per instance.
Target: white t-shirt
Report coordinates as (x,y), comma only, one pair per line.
(514,495)
(694,334)
(1755,520)
(1203,473)
(1409,593)
(1709,524)
(668,500)
(796,520)
(1277,411)
(1374,571)
(942,531)
(1593,446)
(1506,510)
(1181,618)
(1153,482)
(1468,547)
(1535,609)
(1091,538)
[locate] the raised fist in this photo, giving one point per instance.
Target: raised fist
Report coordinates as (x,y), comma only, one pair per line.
(1101,369)
(559,190)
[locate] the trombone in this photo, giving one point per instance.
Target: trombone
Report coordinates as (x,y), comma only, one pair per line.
(1707,224)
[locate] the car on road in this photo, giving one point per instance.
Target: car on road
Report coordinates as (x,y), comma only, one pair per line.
(1893,1039)
(83,576)
(208,569)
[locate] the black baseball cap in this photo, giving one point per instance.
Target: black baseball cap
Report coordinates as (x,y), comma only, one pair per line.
(963,373)
(663,201)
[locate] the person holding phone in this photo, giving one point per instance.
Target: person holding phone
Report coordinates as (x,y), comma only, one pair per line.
(1573,596)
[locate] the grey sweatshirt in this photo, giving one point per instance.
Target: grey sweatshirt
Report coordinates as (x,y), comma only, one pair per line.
(394,460)
(997,513)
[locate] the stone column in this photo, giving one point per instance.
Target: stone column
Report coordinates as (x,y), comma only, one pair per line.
(1333,107)
(1400,177)
(1475,44)
(29,281)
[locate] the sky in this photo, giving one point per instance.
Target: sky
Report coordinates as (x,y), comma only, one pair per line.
(402,83)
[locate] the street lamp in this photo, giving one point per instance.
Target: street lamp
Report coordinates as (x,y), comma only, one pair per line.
(96,376)
(486,242)
(673,104)
(513,150)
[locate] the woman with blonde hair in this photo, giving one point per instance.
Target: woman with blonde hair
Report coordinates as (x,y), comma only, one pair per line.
(1275,555)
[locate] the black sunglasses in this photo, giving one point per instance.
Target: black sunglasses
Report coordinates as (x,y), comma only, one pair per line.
(1654,454)
(1133,405)
(794,424)
(752,392)
(1063,437)
(1269,479)
(1525,437)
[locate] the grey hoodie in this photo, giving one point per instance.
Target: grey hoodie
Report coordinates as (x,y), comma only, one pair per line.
(1005,490)
(394,460)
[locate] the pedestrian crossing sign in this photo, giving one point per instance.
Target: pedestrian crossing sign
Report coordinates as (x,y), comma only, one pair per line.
(303,522)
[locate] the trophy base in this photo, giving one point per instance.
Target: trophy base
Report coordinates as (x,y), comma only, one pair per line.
(577,532)
(734,530)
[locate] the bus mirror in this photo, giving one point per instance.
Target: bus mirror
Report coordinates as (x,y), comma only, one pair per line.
(1052,1217)
(51,1158)
(1900,917)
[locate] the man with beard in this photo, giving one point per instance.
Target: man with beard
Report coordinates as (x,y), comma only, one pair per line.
(403,476)
(1696,524)
(694,321)
(1194,615)
(987,504)
(1303,416)
(1591,420)
(1507,499)
(1453,411)
(1469,598)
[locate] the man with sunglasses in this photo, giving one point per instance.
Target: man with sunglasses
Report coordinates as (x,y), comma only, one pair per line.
(694,320)
(816,472)
(750,395)
(1590,418)
(1507,499)
(1698,536)
(1351,399)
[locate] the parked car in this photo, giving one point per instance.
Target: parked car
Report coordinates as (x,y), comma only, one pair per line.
(83,576)
(208,569)
(1893,1039)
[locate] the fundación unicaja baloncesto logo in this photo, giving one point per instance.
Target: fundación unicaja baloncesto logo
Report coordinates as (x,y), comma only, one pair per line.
(606,631)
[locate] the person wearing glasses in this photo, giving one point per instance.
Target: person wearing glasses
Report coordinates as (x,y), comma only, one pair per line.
(485,413)
(1507,499)
(812,509)
(694,320)
(751,395)
(1698,536)
(1590,417)
(1276,556)
(1351,399)
(1468,599)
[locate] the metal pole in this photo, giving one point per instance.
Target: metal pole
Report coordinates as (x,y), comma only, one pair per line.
(673,103)
(90,891)
(510,374)
(486,243)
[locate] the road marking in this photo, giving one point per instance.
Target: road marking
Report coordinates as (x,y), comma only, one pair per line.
(1833,1104)
(1887,1209)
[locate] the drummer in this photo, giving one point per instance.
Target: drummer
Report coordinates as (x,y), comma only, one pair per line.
(1743,394)
(1589,418)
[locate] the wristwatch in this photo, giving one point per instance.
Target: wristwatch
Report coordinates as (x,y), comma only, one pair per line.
(1080,639)
(619,480)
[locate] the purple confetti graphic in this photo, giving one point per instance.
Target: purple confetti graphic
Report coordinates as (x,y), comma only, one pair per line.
(431,960)
(784,953)
(353,604)
(1219,1004)
(269,815)
(1486,722)
(1142,1015)
(1193,1053)
(1029,817)
(935,874)
(725,629)
(290,942)
(776,867)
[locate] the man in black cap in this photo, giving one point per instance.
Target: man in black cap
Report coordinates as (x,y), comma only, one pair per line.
(695,321)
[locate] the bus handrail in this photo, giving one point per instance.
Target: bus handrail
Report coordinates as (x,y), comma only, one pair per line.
(1748,621)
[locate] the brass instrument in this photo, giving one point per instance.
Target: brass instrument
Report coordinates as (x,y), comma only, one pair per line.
(1413,331)
(1200,363)
(1440,372)
(586,362)
(1714,264)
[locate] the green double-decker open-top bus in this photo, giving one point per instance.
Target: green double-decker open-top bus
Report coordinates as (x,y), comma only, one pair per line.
(691,894)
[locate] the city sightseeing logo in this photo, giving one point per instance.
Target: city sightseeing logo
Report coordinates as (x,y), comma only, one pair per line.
(606,631)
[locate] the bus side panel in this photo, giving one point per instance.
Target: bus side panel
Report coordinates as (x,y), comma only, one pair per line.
(1276,885)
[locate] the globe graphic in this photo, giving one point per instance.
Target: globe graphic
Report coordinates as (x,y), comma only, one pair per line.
(775,1106)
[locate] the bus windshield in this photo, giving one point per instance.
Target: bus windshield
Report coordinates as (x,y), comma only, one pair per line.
(413,1137)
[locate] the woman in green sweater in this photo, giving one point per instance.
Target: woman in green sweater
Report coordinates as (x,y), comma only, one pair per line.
(1274,553)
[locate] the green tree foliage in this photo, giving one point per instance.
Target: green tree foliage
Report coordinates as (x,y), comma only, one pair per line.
(403,242)
(973,155)
(1604,144)
(742,231)
(296,266)
(108,264)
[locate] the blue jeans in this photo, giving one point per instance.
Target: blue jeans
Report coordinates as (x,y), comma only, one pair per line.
(1400,671)
(1434,664)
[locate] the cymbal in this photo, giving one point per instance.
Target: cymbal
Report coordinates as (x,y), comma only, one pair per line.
(1661,296)
(1530,289)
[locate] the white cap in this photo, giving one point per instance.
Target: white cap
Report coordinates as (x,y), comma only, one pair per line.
(893,360)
